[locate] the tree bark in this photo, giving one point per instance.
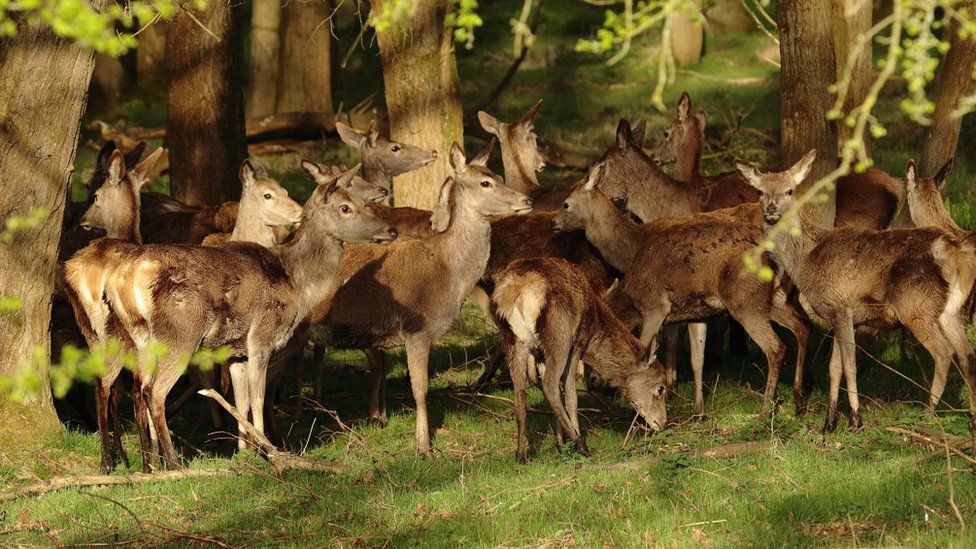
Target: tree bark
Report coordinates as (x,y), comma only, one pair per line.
(205,104)
(265,52)
(955,81)
(808,69)
(43,93)
(305,78)
(151,56)
(852,18)
(107,82)
(687,35)
(422,94)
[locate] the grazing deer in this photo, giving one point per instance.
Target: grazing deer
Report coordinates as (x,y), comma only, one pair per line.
(916,278)
(550,310)
(689,269)
(240,295)
(115,209)
(410,293)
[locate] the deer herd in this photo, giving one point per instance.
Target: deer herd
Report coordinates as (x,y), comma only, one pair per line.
(594,278)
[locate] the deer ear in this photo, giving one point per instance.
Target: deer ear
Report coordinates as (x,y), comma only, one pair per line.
(116,168)
(911,175)
(593,176)
(529,117)
(489,122)
(623,133)
(684,106)
(637,134)
(482,158)
(247,173)
(702,118)
(350,136)
(104,155)
(943,176)
(801,169)
(609,291)
(135,155)
(649,358)
(457,159)
(440,218)
(750,173)
(317,172)
(373,133)
(139,174)
(344,179)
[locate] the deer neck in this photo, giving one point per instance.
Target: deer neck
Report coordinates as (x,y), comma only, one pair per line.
(375,175)
(687,168)
(311,259)
(613,233)
(791,247)
(465,245)
(652,195)
(250,228)
(931,212)
(519,173)
(127,227)
(612,351)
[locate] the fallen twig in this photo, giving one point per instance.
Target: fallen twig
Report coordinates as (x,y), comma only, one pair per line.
(932,441)
(60,483)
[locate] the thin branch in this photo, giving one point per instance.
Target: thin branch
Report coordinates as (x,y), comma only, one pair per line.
(60,483)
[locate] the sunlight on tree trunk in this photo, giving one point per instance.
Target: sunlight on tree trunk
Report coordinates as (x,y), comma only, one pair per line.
(304,81)
(687,35)
(422,94)
(43,85)
(265,56)
(808,70)
(851,19)
(205,104)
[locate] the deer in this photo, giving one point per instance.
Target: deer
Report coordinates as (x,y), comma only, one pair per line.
(550,310)
(114,208)
(409,293)
(925,204)
(689,269)
(918,278)
(240,295)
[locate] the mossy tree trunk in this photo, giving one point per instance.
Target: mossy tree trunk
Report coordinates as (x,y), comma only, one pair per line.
(205,104)
(808,70)
(43,93)
(422,95)
(955,81)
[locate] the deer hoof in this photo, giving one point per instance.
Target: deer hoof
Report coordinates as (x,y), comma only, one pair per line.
(855,422)
(830,425)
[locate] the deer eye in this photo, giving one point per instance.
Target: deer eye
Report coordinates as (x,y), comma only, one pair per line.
(268,196)
(789,192)
(486,183)
(659,390)
(395,148)
(667,134)
(345,209)
(566,205)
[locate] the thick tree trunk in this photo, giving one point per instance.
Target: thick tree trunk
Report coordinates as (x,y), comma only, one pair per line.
(107,82)
(955,81)
(687,35)
(304,82)
(852,18)
(422,95)
(808,69)
(265,52)
(205,104)
(151,57)
(43,91)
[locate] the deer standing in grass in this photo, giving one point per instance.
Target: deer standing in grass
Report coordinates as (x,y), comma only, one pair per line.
(688,269)
(918,278)
(550,310)
(411,292)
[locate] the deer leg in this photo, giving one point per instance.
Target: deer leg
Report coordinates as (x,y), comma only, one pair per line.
(757,326)
(651,325)
(954,327)
(845,333)
(141,411)
(242,399)
(518,364)
(377,398)
(418,353)
(786,316)
(672,338)
(557,361)
(926,331)
(569,387)
(836,369)
(696,339)
(101,408)
(168,372)
(114,399)
(257,379)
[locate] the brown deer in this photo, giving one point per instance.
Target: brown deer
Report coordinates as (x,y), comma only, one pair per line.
(925,203)
(847,277)
(240,295)
(549,310)
(409,293)
(115,209)
(689,269)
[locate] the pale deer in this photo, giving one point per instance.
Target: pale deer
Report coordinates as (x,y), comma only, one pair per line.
(549,310)
(917,278)
(240,295)
(689,269)
(411,292)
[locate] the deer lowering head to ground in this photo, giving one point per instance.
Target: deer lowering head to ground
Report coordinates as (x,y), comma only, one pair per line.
(550,311)
(689,269)
(916,278)
(241,295)
(115,209)
(409,293)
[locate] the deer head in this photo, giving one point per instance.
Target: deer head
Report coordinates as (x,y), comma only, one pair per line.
(333,211)
(925,194)
(480,190)
(776,189)
(266,198)
(519,138)
(685,128)
(624,159)
(115,206)
(645,389)
(357,186)
(383,156)
(102,162)
(577,207)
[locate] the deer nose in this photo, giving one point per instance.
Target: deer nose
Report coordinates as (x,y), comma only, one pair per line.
(393,232)
(383,192)
(527,201)
(434,153)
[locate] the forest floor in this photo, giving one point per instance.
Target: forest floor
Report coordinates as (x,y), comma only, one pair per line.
(728,479)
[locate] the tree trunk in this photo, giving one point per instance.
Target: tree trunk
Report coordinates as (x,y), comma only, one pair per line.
(955,81)
(43,92)
(205,104)
(808,69)
(422,95)
(265,51)
(305,83)
(107,82)
(151,56)
(852,18)
(686,37)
